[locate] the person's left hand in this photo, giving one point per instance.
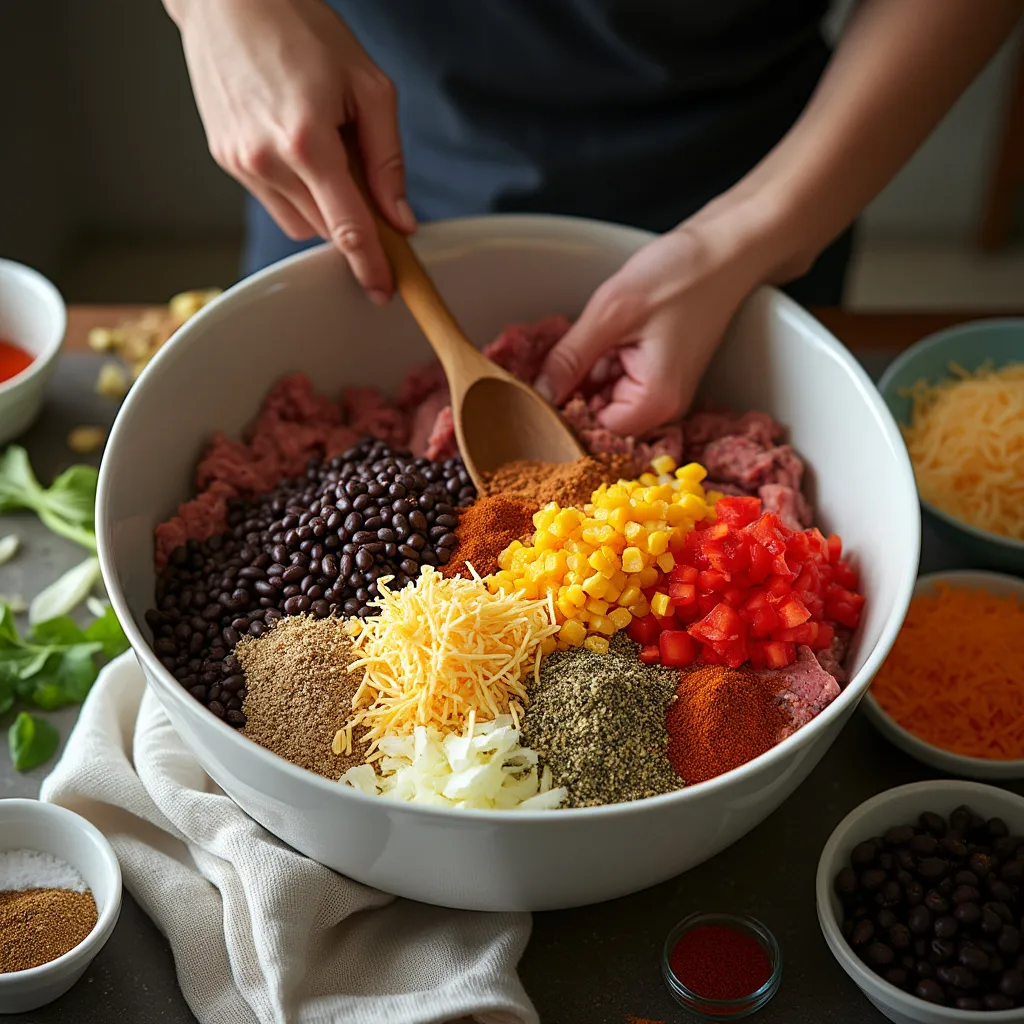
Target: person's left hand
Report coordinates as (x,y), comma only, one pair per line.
(665,311)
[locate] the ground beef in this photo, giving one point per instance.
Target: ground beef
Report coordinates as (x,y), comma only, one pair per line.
(742,454)
(806,690)
(742,450)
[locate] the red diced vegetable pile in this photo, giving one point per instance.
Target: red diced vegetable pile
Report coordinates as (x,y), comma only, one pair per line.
(747,589)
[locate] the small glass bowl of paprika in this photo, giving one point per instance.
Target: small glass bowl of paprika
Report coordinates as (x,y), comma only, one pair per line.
(720,966)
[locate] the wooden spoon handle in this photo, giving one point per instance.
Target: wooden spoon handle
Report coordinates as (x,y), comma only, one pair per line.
(413,283)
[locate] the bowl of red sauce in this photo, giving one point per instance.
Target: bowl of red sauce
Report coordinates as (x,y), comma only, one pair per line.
(32,324)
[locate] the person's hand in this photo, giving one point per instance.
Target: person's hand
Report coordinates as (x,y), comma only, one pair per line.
(274,81)
(665,312)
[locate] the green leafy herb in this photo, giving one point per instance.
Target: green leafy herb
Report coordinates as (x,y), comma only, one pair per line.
(67,506)
(57,663)
(32,740)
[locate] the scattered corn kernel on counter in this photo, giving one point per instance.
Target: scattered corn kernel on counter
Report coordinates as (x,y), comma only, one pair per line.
(654,615)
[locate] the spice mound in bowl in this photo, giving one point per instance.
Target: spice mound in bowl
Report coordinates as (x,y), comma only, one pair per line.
(46,909)
(651,616)
(948,694)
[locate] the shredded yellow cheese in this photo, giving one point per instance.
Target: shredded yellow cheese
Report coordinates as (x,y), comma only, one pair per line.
(966,442)
(442,652)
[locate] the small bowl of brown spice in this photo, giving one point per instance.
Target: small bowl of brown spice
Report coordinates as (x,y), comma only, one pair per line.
(60,897)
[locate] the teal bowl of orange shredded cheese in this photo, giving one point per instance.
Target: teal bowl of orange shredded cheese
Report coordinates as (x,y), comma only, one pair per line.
(951,693)
(958,396)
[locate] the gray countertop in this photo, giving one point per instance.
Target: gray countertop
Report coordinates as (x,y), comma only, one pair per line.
(595,965)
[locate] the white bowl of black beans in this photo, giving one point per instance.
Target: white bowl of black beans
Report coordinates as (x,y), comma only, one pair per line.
(920,894)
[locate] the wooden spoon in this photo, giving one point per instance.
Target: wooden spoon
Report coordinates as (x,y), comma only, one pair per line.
(498,419)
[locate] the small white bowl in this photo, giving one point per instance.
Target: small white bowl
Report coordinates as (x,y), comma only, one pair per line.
(32,316)
(901,806)
(34,825)
(946,761)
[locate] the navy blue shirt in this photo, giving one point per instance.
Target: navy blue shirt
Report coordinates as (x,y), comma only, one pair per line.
(634,111)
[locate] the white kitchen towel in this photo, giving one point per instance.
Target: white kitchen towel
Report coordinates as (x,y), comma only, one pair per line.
(261,934)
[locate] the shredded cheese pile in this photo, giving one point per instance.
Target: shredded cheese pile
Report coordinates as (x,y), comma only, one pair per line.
(485,768)
(966,442)
(443,650)
(955,676)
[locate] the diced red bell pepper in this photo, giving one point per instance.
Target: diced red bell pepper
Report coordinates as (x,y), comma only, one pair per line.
(845,575)
(684,574)
(721,623)
(835,547)
(668,622)
(805,633)
(760,563)
(735,596)
(792,613)
(694,549)
(677,648)
(713,580)
(729,555)
(707,602)
(650,654)
(778,653)
(709,656)
(824,639)
(778,588)
(682,593)
(644,631)
(768,531)
(844,607)
(733,652)
(737,511)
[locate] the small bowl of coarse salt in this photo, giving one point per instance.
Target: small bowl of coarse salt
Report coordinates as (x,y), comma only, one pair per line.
(60,897)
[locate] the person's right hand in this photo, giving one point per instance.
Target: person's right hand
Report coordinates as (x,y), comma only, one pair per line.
(274,81)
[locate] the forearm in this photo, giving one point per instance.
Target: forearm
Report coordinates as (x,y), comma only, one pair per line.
(899,68)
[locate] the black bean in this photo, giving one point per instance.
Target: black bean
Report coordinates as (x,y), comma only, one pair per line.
(930,991)
(1001,891)
(942,950)
(897,976)
(1001,909)
(991,922)
(913,894)
(321,608)
(899,936)
(966,894)
(885,919)
(997,828)
(217,708)
(924,845)
(878,954)
(996,1001)
(936,903)
(363,559)
(973,958)
(235,717)
(953,848)
(968,1003)
(1009,940)
(863,933)
(945,927)
(900,835)
(1012,871)
(890,894)
(967,913)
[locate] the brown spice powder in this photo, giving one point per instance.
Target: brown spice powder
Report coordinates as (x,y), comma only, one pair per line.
(485,529)
(300,692)
(570,483)
(39,925)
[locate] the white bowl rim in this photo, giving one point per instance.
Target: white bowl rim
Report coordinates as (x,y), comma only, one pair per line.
(908,356)
(862,976)
(482,229)
(53,295)
(965,578)
(70,821)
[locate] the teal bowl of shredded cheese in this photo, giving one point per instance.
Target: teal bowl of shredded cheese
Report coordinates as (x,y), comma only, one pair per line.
(958,397)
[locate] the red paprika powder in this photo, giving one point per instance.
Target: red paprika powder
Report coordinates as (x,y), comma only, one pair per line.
(718,962)
(721,718)
(485,529)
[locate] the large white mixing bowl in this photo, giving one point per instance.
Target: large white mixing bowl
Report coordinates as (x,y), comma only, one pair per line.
(306,313)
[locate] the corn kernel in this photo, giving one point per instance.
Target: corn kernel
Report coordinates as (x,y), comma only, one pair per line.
(663,464)
(659,604)
(596,585)
(599,561)
(597,644)
(640,609)
(600,513)
(666,562)
(648,479)
(597,607)
(634,532)
(620,618)
(632,560)
(602,624)
(565,522)
(547,645)
(693,471)
(573,633)
(648,577)
(543,518)
(629,596)
(657,542)
(577,595)
(566,607)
